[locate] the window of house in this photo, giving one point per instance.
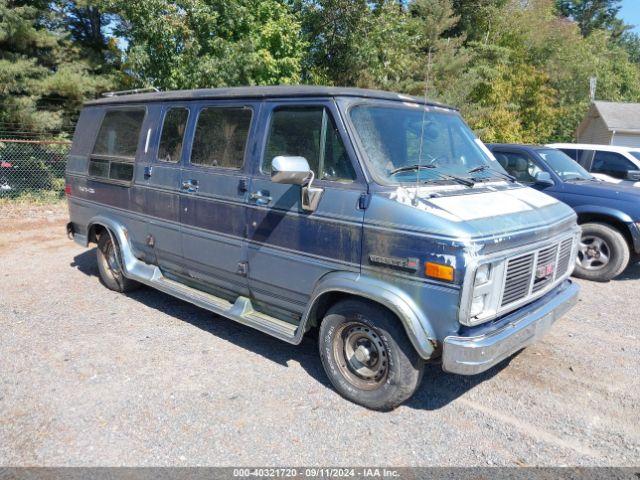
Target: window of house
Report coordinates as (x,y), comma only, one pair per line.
(309,132)
(221,136)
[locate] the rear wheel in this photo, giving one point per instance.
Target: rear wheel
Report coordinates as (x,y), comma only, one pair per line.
(109,267)
(367,355)
(603,253)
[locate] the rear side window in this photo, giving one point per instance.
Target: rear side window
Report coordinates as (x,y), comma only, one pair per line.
(115,149)
(221,137)
(309,132)
(172,138)
(119,133)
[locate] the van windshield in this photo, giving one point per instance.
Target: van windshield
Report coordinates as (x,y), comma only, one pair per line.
(407,144)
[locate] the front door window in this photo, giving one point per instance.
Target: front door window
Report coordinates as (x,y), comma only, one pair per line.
(309,132)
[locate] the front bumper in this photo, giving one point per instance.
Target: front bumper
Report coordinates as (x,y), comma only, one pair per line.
(469,355)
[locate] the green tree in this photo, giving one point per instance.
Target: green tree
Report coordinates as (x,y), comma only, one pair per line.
(209,43)
(592,14)
(43,80)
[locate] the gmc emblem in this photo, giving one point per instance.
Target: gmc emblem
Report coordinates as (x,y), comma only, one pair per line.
(544,271)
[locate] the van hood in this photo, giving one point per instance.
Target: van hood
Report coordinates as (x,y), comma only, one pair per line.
(492,217)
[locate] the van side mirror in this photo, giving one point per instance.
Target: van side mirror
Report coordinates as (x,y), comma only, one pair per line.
(544,179)
(296,171)
(290,170)
(633,175)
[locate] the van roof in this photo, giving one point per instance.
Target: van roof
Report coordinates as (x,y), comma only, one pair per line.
(262,92)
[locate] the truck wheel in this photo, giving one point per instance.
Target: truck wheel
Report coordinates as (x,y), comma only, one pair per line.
(603,253)
(109,266)
(367,355)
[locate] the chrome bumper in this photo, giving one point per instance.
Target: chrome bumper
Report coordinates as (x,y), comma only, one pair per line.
(472,355)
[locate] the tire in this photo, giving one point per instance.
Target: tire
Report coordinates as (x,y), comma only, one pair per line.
(600,241)
(109,266)
(383,370)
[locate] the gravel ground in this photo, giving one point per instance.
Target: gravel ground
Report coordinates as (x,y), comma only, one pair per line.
(90,377)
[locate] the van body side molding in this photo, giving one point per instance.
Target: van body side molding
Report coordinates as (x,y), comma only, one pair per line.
(399,302)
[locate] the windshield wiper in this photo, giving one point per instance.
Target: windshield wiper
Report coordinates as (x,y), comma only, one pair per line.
(416,167)
(482,168)
(411,168)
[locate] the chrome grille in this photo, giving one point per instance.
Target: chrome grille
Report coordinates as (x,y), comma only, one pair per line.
(534,272)
(564,258)
(518,279)
(545,268)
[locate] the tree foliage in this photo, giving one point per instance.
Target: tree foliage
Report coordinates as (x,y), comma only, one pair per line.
(43,77)
(210,43)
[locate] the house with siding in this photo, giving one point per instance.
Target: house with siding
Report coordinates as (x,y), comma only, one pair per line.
(611,123)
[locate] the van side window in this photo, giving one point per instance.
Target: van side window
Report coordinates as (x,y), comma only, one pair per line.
(119,133)
(221,137)
(309,132)
(115,149)
(172,138)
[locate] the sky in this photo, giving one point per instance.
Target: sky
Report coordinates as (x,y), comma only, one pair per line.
(630,13)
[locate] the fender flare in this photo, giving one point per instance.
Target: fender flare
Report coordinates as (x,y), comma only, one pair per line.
(415,323)
(600,210)
(131,267)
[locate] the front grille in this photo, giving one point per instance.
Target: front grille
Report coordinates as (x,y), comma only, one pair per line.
(535,271)
(518,279)
(545,268)
(564,258)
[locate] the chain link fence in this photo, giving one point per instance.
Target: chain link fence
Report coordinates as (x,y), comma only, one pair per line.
(32,170)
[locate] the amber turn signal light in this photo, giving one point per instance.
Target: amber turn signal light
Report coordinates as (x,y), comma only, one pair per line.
(438,271)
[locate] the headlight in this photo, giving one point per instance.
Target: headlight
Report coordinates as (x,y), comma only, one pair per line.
(483,274)
(485,292)
(477,305)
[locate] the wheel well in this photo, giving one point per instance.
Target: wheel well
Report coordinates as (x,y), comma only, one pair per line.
(608,220)
(329,299)
(95,231)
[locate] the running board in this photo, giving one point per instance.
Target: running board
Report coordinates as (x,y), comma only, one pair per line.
(241,310)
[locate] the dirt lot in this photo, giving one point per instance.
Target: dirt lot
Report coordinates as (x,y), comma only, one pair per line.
(91,377)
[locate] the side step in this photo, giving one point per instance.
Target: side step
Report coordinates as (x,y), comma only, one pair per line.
(241,310)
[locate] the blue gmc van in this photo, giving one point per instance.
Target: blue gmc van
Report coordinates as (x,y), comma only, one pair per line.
(376,218)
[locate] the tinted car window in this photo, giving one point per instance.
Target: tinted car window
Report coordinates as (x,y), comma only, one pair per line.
(310,133)
(119,133)
(519,165)
(173,127)
(116,145)
(611,163)
(221,137)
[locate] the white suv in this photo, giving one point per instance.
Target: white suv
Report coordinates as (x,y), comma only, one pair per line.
(606,162)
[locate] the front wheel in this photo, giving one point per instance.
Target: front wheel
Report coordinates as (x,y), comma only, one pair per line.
(603,253)
(367,355)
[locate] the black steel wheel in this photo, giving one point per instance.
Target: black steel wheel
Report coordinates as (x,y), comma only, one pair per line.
(367,355)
